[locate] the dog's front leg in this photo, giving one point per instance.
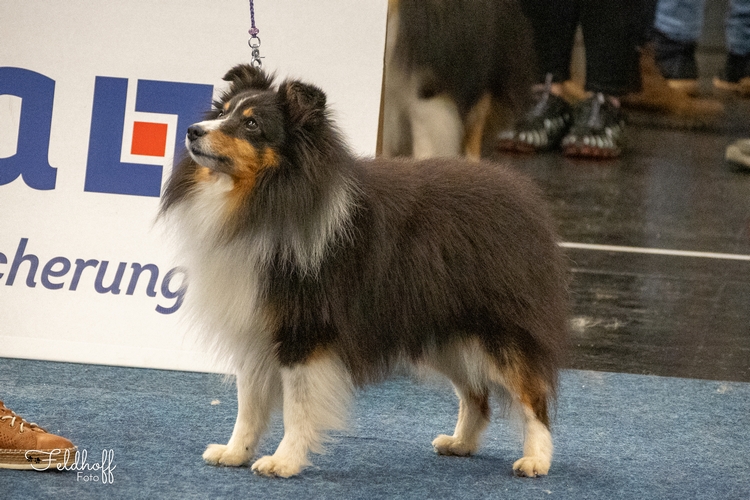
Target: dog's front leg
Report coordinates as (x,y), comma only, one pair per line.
(258,392)
(316,397)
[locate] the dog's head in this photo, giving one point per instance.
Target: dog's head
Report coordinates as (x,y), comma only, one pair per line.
(249,130)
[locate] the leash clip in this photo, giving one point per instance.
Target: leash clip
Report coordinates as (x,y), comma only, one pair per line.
(254,43)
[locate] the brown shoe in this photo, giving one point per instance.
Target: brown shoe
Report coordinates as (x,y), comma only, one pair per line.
(658,97)
(24,445)
(736,77)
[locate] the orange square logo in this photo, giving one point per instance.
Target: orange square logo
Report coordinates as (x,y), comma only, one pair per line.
(149,139)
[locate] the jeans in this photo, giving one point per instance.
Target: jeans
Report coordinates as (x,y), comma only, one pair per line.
(682,21)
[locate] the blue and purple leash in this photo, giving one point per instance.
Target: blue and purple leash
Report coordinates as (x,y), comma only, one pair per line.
(254,41)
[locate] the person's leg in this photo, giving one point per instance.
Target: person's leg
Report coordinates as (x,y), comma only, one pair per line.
(669,86)
(680,20)
(610,34)
(540,128)
(737,71)
(738,27)
(677,27)
(553,25)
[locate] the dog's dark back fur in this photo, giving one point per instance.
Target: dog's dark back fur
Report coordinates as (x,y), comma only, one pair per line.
(429,252)
(441,250)
(468,46)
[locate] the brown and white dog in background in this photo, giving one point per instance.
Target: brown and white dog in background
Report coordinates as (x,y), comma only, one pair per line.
(446,63)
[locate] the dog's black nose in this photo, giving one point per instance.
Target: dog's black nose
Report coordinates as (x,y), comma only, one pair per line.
(194,132)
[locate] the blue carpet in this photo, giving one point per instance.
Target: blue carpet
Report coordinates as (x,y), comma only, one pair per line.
(616,435)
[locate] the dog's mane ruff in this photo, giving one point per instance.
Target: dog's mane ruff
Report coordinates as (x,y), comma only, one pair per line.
(223,302)
(296,215)
(304,208)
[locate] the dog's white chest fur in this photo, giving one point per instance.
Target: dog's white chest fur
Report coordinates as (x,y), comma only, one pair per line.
(223,275)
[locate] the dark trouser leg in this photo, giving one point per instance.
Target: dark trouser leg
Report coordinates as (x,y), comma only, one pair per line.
(611,32)
(553,23)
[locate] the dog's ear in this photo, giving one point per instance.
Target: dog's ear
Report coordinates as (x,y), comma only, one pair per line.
(304,103)
(246,77)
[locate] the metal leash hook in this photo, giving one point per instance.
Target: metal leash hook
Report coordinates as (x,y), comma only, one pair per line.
(254,40)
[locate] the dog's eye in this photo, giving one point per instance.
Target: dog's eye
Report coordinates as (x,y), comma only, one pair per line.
(221,113)
(251,124)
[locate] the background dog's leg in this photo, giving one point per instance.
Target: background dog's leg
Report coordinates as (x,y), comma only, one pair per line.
(257,395)
(398,89)
(396,134)
(435,126)
(317,393)
(473,417)
(475,124)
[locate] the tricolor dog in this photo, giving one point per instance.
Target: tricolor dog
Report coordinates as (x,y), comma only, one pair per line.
(315,272)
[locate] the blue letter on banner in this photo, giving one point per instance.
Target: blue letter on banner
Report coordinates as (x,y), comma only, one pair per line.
(37,93)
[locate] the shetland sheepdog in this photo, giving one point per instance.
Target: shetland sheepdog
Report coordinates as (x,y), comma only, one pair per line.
(448,64)
(318,272)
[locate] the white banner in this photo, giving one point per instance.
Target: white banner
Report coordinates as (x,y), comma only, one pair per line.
(95,98)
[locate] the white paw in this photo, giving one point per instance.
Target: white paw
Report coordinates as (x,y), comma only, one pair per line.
(449,445)
(276,467)
(221,454)
(531,467)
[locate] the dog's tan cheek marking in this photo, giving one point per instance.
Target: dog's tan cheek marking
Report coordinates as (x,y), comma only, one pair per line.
(248,162)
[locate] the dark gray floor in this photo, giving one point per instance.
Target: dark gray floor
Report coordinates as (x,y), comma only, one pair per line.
(664,315)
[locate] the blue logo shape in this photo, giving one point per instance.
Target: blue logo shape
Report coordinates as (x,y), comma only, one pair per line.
(37,93)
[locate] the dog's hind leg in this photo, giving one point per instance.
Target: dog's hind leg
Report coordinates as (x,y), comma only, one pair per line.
(530,393)
(475,122)
(473,417)
(465,365)
(396,129)
(397,90)
(537,446)
(436,127)
(257,391)
(317,393)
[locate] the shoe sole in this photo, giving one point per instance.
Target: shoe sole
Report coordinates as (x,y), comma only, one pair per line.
(590,152)
(735,155)
(742,87)
(36,459)
(690,87)
(513,146)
